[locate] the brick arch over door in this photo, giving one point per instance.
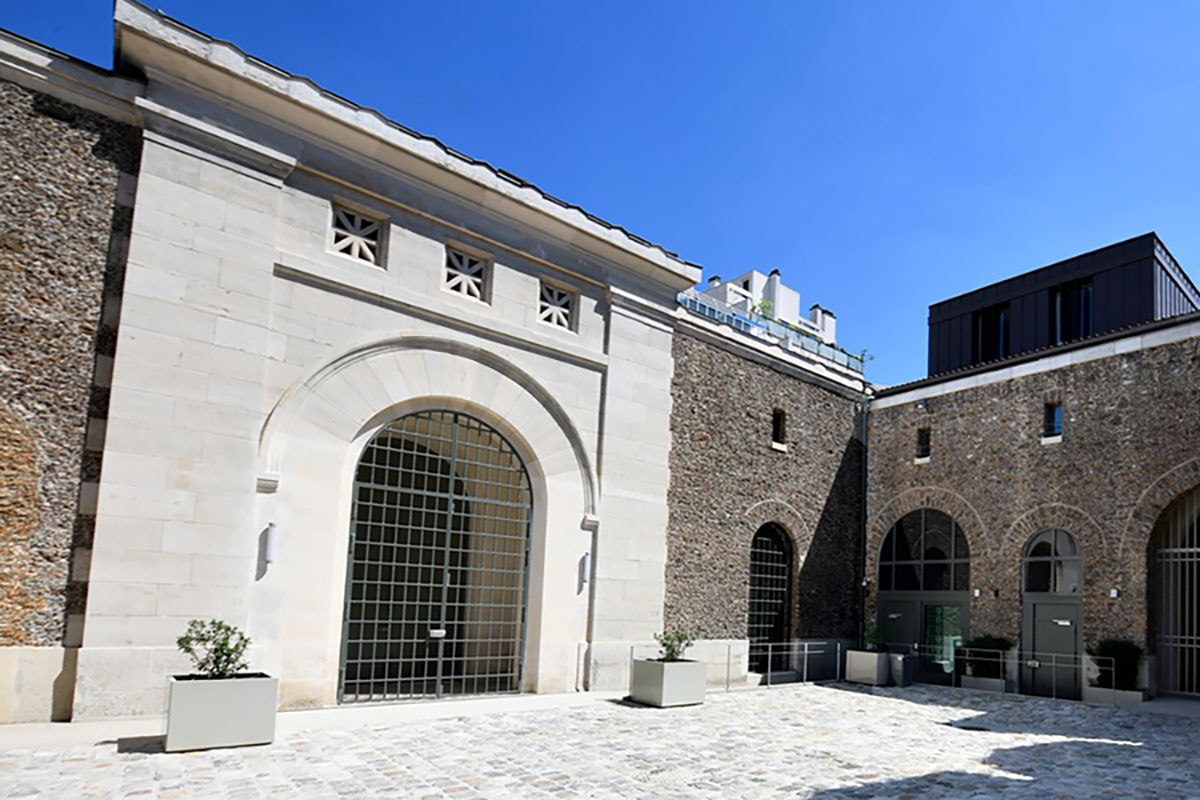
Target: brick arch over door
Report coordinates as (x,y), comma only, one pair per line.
(783,515)
(1100,571)
(911,500)
(935,497)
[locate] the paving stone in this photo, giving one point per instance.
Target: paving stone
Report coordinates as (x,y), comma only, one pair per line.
(798,741)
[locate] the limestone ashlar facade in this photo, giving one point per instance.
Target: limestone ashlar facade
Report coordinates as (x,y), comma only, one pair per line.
(727,481)
(68,179)
(1129,447)
(301,274)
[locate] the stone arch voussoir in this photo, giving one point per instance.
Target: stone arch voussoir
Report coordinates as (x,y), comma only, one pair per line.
(351,389)
(1056,516)
(783,515)
(1165,489)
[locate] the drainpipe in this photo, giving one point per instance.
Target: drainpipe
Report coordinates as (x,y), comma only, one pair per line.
(862,546)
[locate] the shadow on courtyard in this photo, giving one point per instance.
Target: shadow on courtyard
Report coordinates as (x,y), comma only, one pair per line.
(1085,768)
(138,744)
(1015,713)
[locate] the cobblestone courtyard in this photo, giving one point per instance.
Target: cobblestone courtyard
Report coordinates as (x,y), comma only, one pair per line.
(809,740)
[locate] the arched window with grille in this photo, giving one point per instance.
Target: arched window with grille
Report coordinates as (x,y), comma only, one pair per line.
(770,618)
(924,579)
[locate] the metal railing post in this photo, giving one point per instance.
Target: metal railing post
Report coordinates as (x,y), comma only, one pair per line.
(728,664)
(769,665)
(804,675)
(1054,675)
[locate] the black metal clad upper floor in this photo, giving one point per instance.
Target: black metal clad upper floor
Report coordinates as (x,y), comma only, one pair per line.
(1124,284)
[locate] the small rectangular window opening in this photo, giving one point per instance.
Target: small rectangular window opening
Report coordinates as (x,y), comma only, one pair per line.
(923,441)
(778,427)
(1052,420)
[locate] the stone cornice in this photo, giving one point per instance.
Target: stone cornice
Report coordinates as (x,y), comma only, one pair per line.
(37,67)
(169,49)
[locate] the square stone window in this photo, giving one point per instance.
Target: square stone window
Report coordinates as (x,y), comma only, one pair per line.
(357,235)
(466,274)
(556,306)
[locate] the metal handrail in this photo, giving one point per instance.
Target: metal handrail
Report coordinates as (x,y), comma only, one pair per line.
(797,655)
(963,655)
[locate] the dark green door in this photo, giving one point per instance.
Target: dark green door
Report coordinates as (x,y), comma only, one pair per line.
(1050,658)
(900,621)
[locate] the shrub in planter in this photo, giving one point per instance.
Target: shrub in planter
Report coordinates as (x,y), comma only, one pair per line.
(670,679)
(1126,660)
(875,640)
(219,705)
(217,649)
(986,664)
(869,666)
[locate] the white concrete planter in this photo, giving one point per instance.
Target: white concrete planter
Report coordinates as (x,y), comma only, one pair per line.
(983,684)
(869,667)
(1122,698)
(667,683)
(224,712)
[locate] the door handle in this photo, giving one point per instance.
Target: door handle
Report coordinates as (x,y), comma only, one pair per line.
(1066,623)
(437,633)
(894,616)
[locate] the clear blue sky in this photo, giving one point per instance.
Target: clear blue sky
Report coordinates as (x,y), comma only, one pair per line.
(882,155)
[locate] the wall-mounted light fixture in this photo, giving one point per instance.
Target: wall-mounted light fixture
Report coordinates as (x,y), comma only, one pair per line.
(977,592)
(269,548)
(585,567)
(1114,593)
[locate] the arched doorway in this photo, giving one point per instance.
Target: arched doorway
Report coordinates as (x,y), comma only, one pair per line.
(1175,596)
(924,577)
(770,618)
(437,574)
(1051,616)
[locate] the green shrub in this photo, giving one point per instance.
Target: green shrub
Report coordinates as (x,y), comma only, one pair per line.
(1126,659)
(987,664)
(875,639)
(674,643)
(217,649)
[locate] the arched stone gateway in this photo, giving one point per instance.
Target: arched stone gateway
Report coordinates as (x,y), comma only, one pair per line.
(1174,595)
(437,571)
(312,450)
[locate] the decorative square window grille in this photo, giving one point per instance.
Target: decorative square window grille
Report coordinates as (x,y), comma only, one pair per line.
(466,275)
(556,306)
(355,235)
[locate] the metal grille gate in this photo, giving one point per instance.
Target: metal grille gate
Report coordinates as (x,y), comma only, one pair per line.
(1176,578)
(437,574)
(770,598)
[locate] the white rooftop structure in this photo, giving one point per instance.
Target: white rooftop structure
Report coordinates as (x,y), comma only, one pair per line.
(765,295)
